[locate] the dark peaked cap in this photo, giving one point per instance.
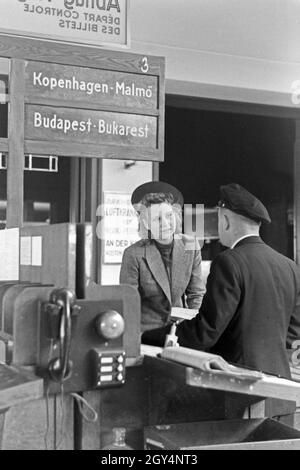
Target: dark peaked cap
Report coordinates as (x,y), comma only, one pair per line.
(239,200)
(156,187)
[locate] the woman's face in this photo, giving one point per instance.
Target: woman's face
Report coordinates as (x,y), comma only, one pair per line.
(161,221)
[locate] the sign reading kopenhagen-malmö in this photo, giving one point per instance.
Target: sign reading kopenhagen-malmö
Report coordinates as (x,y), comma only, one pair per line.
(96,22)
(82,84)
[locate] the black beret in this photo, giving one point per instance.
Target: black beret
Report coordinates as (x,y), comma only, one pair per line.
(156,187)
(239,200)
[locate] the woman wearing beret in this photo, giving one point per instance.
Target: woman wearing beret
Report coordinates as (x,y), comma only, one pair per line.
(164,265)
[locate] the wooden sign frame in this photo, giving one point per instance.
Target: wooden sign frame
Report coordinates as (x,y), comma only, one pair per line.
(22,50)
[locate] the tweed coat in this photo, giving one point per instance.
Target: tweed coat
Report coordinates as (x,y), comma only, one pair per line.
(143,267)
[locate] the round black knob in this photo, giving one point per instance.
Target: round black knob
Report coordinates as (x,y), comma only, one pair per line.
(110,324)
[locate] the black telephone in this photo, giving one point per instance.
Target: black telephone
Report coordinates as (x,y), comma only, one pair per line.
(60,313)
(86,351)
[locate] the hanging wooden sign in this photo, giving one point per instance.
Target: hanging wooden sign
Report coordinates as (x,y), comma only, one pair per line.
(88,126)
(82,84)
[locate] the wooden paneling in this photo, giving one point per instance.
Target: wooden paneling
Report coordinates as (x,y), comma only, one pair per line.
(84,104)
(24,316)
(74,191)
(45,51)
(3,145)
(58,266)
(18,385)
(73,149)
(297,194)
(3,288)
(95,201)
(26,426)
(83,185)
(8,302)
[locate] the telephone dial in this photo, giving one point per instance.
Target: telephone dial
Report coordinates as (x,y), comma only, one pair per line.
(81,342)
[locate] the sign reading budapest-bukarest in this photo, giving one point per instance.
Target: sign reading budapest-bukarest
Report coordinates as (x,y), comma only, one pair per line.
(95,22)
(89,126)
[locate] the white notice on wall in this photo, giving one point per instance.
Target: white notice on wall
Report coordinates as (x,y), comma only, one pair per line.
(9,254)
(25,256)
(36,251)
(120,225)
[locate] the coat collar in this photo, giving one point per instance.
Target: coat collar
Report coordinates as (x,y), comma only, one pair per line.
(178,263)
(251,239)
(157,267)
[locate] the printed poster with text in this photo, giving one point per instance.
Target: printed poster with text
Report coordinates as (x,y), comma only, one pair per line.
(120,226)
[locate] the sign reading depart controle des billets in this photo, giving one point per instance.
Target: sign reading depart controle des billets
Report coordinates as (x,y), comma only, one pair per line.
(97,22)
(79,105)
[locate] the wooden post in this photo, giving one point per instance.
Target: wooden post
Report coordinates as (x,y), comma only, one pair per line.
(74,191)
(15,164)
(297,193)
(155,171)
(82,190)
(95,201)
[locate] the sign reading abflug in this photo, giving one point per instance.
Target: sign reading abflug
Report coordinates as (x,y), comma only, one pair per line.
(98,22)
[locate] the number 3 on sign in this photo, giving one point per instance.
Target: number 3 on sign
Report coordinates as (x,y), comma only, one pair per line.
(145,65)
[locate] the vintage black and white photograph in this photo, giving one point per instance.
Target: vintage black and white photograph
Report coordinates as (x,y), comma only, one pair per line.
(149,227)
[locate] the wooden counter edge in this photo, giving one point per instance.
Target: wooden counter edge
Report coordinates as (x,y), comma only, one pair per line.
(18,385)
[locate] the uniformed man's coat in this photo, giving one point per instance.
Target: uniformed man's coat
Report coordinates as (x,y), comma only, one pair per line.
(250,312)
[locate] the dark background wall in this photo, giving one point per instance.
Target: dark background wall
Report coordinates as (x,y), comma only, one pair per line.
(204,149)
(52,188)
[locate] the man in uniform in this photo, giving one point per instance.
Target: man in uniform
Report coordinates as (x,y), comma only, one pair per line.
(250,313)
